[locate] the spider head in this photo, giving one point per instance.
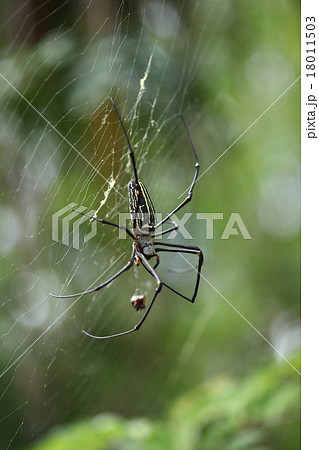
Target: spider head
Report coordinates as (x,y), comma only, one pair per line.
(138,302)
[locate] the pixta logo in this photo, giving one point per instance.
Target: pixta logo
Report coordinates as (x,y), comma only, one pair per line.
(67,228)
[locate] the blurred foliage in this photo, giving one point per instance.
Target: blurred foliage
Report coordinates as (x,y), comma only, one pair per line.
(229,61)
(259,412)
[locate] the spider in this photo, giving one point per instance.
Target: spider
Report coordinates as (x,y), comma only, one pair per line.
(144,224)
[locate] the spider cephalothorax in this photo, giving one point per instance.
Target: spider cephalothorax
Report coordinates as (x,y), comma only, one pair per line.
(144,225)
(145,244)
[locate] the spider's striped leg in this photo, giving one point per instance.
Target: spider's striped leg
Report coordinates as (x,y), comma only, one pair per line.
(193,250)
(106,222)
(190,192)
(140,323)
(102,285)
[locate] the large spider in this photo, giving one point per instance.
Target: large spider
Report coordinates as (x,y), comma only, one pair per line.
(143,218)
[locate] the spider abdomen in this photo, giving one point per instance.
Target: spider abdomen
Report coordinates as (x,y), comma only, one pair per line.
(142,210)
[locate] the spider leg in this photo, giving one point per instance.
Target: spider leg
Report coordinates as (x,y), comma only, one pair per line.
(161,233)
(190,192)
(106,222)
(140,323)
(132,156)
(102,285)
(131,152)
(166,285)
(157,262)
(184,249)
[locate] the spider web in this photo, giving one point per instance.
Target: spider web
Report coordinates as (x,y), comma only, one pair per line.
(62,147)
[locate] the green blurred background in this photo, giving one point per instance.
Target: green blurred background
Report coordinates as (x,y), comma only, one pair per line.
(221,373)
